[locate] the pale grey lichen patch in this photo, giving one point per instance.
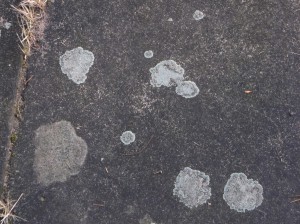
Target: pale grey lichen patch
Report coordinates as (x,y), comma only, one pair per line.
(192,187)
(59,152)
(242,194)
(146,220)
(148,54)
(166,73)
(198,15)
(7,25)
(187,89)
(76,64)
(127,137)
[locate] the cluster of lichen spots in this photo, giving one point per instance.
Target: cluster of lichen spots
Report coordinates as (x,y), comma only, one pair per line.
(192,187)
(242,194)
(169,73)
(59,152)
(76,64)
(127,137)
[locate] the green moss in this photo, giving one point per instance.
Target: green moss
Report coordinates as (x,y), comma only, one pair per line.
(13,138)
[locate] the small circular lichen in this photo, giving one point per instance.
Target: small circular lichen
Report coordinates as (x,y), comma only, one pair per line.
(166,73)
(127,137)
(148,54)
(198,15)
(192,187)
(242,194)
(187,89)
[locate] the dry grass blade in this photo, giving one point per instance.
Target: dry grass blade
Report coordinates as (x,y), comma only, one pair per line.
(6,208)
(31,13)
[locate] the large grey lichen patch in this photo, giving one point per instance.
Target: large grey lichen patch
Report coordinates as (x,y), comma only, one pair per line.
(168,73)
(76,64)
(59,152)
(127,137)
(187,89)
(192,187)
(242,194)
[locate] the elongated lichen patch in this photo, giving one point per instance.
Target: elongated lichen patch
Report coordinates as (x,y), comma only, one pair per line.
(192,187)
(76,64)
(59,152)
(166,73)
(242,194)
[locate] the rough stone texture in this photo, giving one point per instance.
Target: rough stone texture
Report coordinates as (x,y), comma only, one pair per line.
(237,46)
(192,187)
(9,67)
(242,194)
(59,152)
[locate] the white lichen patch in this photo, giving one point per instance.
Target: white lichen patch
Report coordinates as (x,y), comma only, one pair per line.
(148,54)
(7,25)
(192,187)
(198,15)
(242,194)
(76,64)
(127,137)
(187,89)
(146,220)
(59,152)
(166,73)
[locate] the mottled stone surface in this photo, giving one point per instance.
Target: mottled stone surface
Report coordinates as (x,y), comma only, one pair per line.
(237,46)
(10,60)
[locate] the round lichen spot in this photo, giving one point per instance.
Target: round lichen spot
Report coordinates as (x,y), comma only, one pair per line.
(76,64)
(187,89)
(192,187)
(127,137)
(148,54)
(166,73)
(59,152)
(242,194)
(198,15)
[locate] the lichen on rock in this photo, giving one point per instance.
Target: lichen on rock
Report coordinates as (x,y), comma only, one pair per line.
(76,64)
(242,194)
(192,187)
(166,73)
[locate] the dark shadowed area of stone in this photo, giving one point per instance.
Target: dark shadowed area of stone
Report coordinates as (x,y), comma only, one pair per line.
(9,68)
(238,46)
